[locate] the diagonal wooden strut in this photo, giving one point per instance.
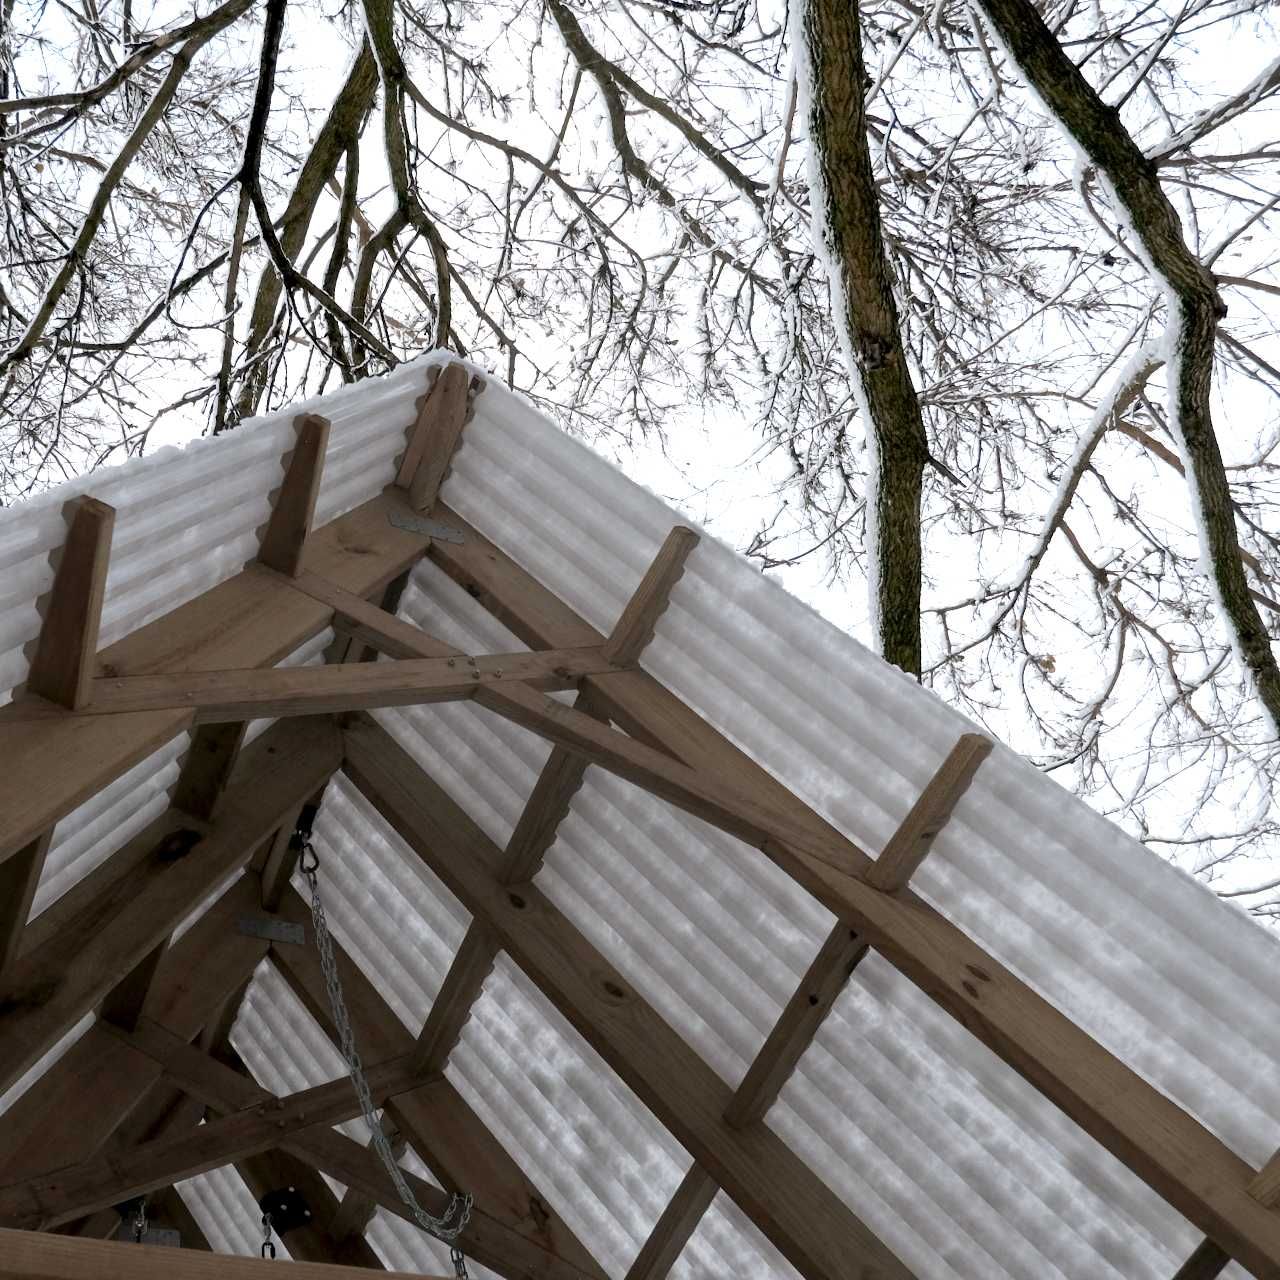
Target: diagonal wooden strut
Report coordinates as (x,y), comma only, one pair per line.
(1172,1152)
(434,437)
(807,1222)
(548,804)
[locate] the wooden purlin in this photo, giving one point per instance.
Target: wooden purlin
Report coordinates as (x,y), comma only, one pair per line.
(548,804)
(284,540)
(436,1121)
(53,984)
(1171,1151)
(29,1255)
(806,1221)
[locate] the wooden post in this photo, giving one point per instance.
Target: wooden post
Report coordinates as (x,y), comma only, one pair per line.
(435,435)
(63,664)
(285,537)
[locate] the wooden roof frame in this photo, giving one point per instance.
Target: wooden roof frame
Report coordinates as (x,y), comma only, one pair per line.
(87,716)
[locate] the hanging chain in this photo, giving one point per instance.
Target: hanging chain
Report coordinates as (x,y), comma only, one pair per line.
(268,1248)
(140,1220)
(459,1211)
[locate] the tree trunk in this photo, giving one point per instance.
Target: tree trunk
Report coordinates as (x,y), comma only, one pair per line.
(847,225)
(1194,311)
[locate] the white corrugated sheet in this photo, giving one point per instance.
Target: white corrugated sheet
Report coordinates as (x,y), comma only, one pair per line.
(963,1170)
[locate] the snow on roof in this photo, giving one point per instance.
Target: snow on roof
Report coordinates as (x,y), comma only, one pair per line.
(960,1166)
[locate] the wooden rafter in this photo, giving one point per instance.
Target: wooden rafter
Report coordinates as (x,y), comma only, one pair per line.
(52,985)
(19,877)
(805,1220)
(29,1255)
(548,804)
(675,1225)
(98,1183)
(1177,1156)
(207,768)
(253,619)
(284,540)
(436,1120)
(491,1238)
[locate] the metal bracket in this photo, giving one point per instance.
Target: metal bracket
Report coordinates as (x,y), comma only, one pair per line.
(428,528)
(272,930)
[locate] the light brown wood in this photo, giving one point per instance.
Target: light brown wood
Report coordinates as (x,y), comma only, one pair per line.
(679,1220)
(59,1121)
(284,540)
(63,663)
(321,690)
(634,628)
(1168,1149)
(843,949)
(29,1255)
(436,1120)
(98,1183)
(805,1220)
(122,1006)
(458,992)
(841,952)
(253,619)
(371,625)
(490,1238)
(207,768)
(19,878)
(53,985)
(1209,1261)
(435,436)
(910,843)
(352,1215)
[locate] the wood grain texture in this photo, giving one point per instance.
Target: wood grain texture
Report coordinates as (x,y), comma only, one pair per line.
(207,768)
(817,1233)
(29,1255)
(19,878)
(634,628)
(678,1221)
(435,436)
(1171,1151)
(253,619)
(284,540)
(53,985)
(63,663)
(437,1121)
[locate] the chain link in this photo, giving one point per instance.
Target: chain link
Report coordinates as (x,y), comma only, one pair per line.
(459,1211)
(140,1220)
(268,1249)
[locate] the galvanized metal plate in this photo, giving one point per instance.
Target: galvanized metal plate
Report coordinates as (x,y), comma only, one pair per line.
(428,528)
(272,930)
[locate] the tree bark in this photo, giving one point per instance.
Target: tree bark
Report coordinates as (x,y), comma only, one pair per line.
(847,224)
(1194,311)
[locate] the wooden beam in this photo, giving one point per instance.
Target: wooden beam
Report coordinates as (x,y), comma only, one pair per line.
(207,768)
(678,1222)
(352,1215)
(107,1180)
(253,619)
(458,992)
(19,877)
(51,986)
(29,1255)
(350,686)
(122,1006)
(171,1210)
(807,1222)
(490,1238)
(1171,1151)
(1209,1260)
(435,435)
(284,540)
(59,1122)
(844,948)
(436,1120)
(63,664)
(634,628)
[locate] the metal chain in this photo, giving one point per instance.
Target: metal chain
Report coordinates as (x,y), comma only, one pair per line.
(459,1210)
(268,1249)
(140,1220)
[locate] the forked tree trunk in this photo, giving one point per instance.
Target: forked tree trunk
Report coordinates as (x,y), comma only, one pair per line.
(847,224)
(1194,311)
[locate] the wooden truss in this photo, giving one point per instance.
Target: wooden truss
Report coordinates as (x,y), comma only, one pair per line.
(168,1097)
